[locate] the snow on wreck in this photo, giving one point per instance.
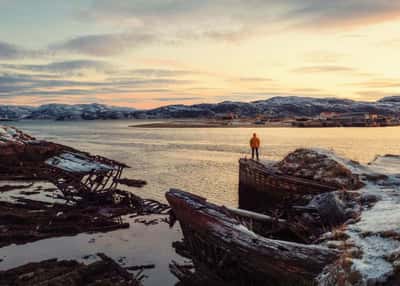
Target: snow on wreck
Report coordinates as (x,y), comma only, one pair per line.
(69,191)
(72,171)
(312,218)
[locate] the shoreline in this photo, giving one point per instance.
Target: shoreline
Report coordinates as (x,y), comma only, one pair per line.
(224,124)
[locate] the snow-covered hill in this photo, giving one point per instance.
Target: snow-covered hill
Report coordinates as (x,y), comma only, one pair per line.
(66,112)
(275,106)
(11,112)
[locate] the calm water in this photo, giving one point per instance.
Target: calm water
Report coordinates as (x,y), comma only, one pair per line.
(203,161)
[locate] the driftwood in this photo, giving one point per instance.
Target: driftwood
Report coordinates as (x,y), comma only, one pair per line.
(98,213)
(256,216)
(105,272)
(140,267)
(88,184)
(243,258)
(31,221)
(188,277)
(131,182)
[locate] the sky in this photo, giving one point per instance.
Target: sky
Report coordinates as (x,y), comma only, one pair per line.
(149,53)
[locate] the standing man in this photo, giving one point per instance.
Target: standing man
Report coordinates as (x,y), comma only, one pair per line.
(255,145)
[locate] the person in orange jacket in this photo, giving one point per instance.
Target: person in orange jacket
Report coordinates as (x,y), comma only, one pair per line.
(254,145)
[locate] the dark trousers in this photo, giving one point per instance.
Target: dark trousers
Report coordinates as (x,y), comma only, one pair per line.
(252,153)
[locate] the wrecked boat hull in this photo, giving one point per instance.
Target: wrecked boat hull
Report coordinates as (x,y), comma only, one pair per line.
(219,243)
(260,186)
(72,171)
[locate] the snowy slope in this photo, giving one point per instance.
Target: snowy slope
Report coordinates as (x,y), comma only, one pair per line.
(66,112)
(275,106)
(14,112)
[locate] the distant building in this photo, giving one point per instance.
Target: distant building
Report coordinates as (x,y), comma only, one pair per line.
(349,119)
(227,116)
(327,115)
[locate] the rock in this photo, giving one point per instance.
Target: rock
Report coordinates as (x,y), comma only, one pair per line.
(340,235)
(367,198)
(329,207)
(318,166)
(394,255)
(396,266)
(355,252)
(335,244)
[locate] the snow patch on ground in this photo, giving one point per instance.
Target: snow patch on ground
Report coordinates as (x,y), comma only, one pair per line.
(41,191)
(77,163)
(384,216)
(373,266)
(11,134)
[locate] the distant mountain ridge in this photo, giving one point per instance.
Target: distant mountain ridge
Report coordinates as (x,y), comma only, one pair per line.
(66,112)
(289,106)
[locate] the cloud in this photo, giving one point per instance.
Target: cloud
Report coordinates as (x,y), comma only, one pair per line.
(324,69)
(10,51)
(146,22)
(62,67)
(234,13)
(378,83)
(307,90)
(167,99)
(253,79)
(103,44)
(17,84)
(374,94)
(162,72)
(344,13)
(323,57)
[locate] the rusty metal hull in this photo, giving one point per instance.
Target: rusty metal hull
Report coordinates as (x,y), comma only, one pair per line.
(219,243)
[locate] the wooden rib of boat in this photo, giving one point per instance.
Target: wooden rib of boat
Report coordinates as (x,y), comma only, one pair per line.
(261,186)
(72,171)
(222,240)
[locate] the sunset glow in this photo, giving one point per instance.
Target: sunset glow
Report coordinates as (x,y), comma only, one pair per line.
(147,53)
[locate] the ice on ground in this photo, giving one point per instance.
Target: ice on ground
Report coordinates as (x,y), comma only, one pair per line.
(384,216)
(373,266)
(11,134)
(373,234)
(388,164)
(41,191)
(77,163)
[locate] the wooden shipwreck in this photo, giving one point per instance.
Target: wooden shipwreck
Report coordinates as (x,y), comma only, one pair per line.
(223,241)
(302,172)
(72,171)
(273,239)
(82,196)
